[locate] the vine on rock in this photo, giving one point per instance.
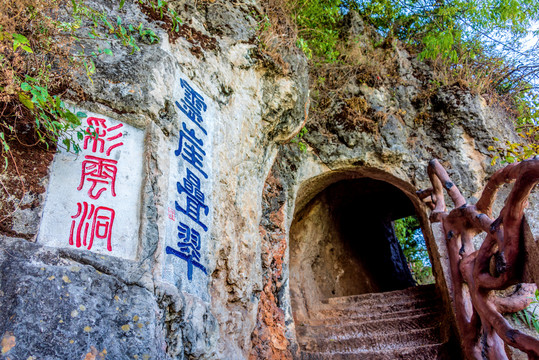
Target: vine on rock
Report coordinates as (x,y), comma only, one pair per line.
(43,44)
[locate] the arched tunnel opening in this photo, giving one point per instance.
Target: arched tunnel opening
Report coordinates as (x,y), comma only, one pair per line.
(342,242)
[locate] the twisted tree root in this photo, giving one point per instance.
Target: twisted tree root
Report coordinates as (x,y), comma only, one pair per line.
(498,263)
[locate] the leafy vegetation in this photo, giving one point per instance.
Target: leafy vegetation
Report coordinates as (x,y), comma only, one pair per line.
(41,49)
(529,318)
(35,67)
(408,232)
(527,126)
(318,32)
(298,139)
(479,45)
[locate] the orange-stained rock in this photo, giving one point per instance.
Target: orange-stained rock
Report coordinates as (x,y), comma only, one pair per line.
(268,338)
(8,342)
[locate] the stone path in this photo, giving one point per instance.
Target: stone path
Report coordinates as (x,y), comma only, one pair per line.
(403,324)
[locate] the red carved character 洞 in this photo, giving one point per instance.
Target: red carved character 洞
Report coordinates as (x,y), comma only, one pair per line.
(89,223)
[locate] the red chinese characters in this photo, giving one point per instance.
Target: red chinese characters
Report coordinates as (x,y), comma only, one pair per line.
(98,134)
(98,174)
(171,214)
(101,173)
(98,220)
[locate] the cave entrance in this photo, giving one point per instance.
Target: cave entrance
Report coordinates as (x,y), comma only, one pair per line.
(342,242)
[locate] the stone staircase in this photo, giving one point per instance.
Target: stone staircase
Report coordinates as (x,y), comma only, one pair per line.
(403,324)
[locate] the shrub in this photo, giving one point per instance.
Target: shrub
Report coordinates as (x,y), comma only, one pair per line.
(36,67)
(408,232)
(475,45)
(38,39)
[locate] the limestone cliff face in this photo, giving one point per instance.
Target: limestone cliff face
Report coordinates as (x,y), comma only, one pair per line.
(66,303)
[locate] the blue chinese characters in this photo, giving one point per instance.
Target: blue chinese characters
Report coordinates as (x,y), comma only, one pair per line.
(188,249)
(195,206)
(191,198)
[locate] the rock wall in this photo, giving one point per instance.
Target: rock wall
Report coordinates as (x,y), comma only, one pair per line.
(58,301)
(256,106)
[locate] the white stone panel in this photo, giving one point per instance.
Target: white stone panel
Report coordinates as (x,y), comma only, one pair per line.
(94,197)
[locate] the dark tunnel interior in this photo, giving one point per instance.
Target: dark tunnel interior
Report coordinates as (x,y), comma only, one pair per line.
(343,243)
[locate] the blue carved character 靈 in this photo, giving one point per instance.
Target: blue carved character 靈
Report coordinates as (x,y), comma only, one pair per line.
(192,105)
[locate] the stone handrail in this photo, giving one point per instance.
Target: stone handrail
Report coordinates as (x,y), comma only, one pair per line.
(498,263)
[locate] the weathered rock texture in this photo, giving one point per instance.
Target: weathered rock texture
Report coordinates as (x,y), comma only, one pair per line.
(269,338)
(409,126)
(51,296)
(258,107)
(56,307)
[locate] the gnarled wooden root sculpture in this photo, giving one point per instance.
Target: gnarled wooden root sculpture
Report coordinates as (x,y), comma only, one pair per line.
(498,263)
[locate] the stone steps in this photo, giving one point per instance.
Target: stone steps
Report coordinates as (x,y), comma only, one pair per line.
(426,291)
(403,324)
(326,311)
(425,352)
(371,326)
(348,342)
(360,318)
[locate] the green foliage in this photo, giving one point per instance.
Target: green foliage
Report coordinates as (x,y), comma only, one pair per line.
(298,139)
(22,41)
(318,32)
(52,119)
(263,25)
(304,46)
(483,38)
(451,28)
(407,231)
(527,126)
(38,60)
(475,44)
(104,28)
(164,10)
(527,317)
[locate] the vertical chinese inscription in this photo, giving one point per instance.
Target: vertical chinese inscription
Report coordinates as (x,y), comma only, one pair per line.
(190,200)
(97,170)
(93,200)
